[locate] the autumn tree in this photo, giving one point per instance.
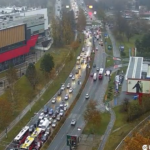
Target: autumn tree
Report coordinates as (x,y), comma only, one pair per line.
(47,64)
(31,75)
(81,22)
(75,45)
(12,93)
(92,116)
(5,113)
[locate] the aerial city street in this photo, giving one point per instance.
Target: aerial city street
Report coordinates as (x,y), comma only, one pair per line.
(74,75)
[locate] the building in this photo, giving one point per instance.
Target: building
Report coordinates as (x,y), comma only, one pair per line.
(18,35)
(138,76)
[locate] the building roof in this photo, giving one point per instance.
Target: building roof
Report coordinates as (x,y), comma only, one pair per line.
(134,69)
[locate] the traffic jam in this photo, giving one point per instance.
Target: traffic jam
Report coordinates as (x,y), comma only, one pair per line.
(41,126)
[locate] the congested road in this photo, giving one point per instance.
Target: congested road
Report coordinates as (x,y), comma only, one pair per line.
(74,84)
(96,91)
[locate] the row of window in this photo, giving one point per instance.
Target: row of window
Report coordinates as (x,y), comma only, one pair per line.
(15,61)
(8,48)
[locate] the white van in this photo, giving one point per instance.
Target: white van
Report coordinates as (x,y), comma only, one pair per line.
(101,71)
(95,77)
(44,124)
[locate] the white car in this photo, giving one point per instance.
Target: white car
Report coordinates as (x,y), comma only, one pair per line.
(66,97)
(63,87)
(61,105)
(41,116)
(58,117)
(70,76)
(54,100)
(73,122)
(87,96)
(73,78)
(79,67)
(97,48)
(97,68)
(70,90)
(54,124)
(65,107)
(68,85)
(61,112)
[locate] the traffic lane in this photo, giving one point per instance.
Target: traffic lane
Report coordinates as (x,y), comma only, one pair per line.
(49,104)
(58,142)
(89,88)
(77,109)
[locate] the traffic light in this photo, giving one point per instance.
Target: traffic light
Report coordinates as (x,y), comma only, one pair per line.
(90,13)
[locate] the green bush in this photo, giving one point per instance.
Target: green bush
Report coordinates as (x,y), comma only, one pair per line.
(123,53)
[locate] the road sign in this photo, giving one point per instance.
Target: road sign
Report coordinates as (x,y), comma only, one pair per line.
(72,140)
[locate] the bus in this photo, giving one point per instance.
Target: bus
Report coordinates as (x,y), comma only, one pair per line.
(37,133)
(101,72)
(20,138)
(28,144)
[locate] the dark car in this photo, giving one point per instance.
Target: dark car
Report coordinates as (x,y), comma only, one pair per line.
(77,71)
(59,93)
(94,65)
(54,115)
(37,123)
(57,110)
(31,128)
(44,137)
(45,109)
(50,112)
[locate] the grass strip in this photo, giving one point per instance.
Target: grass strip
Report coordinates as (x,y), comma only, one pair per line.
(121,128)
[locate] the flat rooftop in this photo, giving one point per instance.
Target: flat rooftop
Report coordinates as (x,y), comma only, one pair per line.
(134,69)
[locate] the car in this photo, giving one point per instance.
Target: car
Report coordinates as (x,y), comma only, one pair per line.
(45,109)
(44,137)
(91,74)
(94,65)
(54,124)
(70,90)
(107,72)
(62,87)
(58,117)
(41,116)
(79,67)
(70,76)
(57,110)
(54,116)
(97,48)
(61,105)
(61,112)
(65,107)
(73,122)
(50,119)
(68,85)
(97,69)
(51,111)
(54,100)
(82,61)
(66,97)
(41,122)
(73,77)
(31,128)
(87,96)
(59,93)
(77,71)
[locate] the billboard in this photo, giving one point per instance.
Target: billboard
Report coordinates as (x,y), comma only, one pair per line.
(12,35)
(138,86)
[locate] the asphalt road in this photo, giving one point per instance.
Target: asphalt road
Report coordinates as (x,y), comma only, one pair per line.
(58,8)
(74,85)
(96,91)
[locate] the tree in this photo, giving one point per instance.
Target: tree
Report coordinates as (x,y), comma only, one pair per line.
(81,23)
(12,93)
(47,63)
(31,75)
(92,116)
(5,113)
(75,45)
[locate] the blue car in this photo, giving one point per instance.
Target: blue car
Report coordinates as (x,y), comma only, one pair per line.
(51,111)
